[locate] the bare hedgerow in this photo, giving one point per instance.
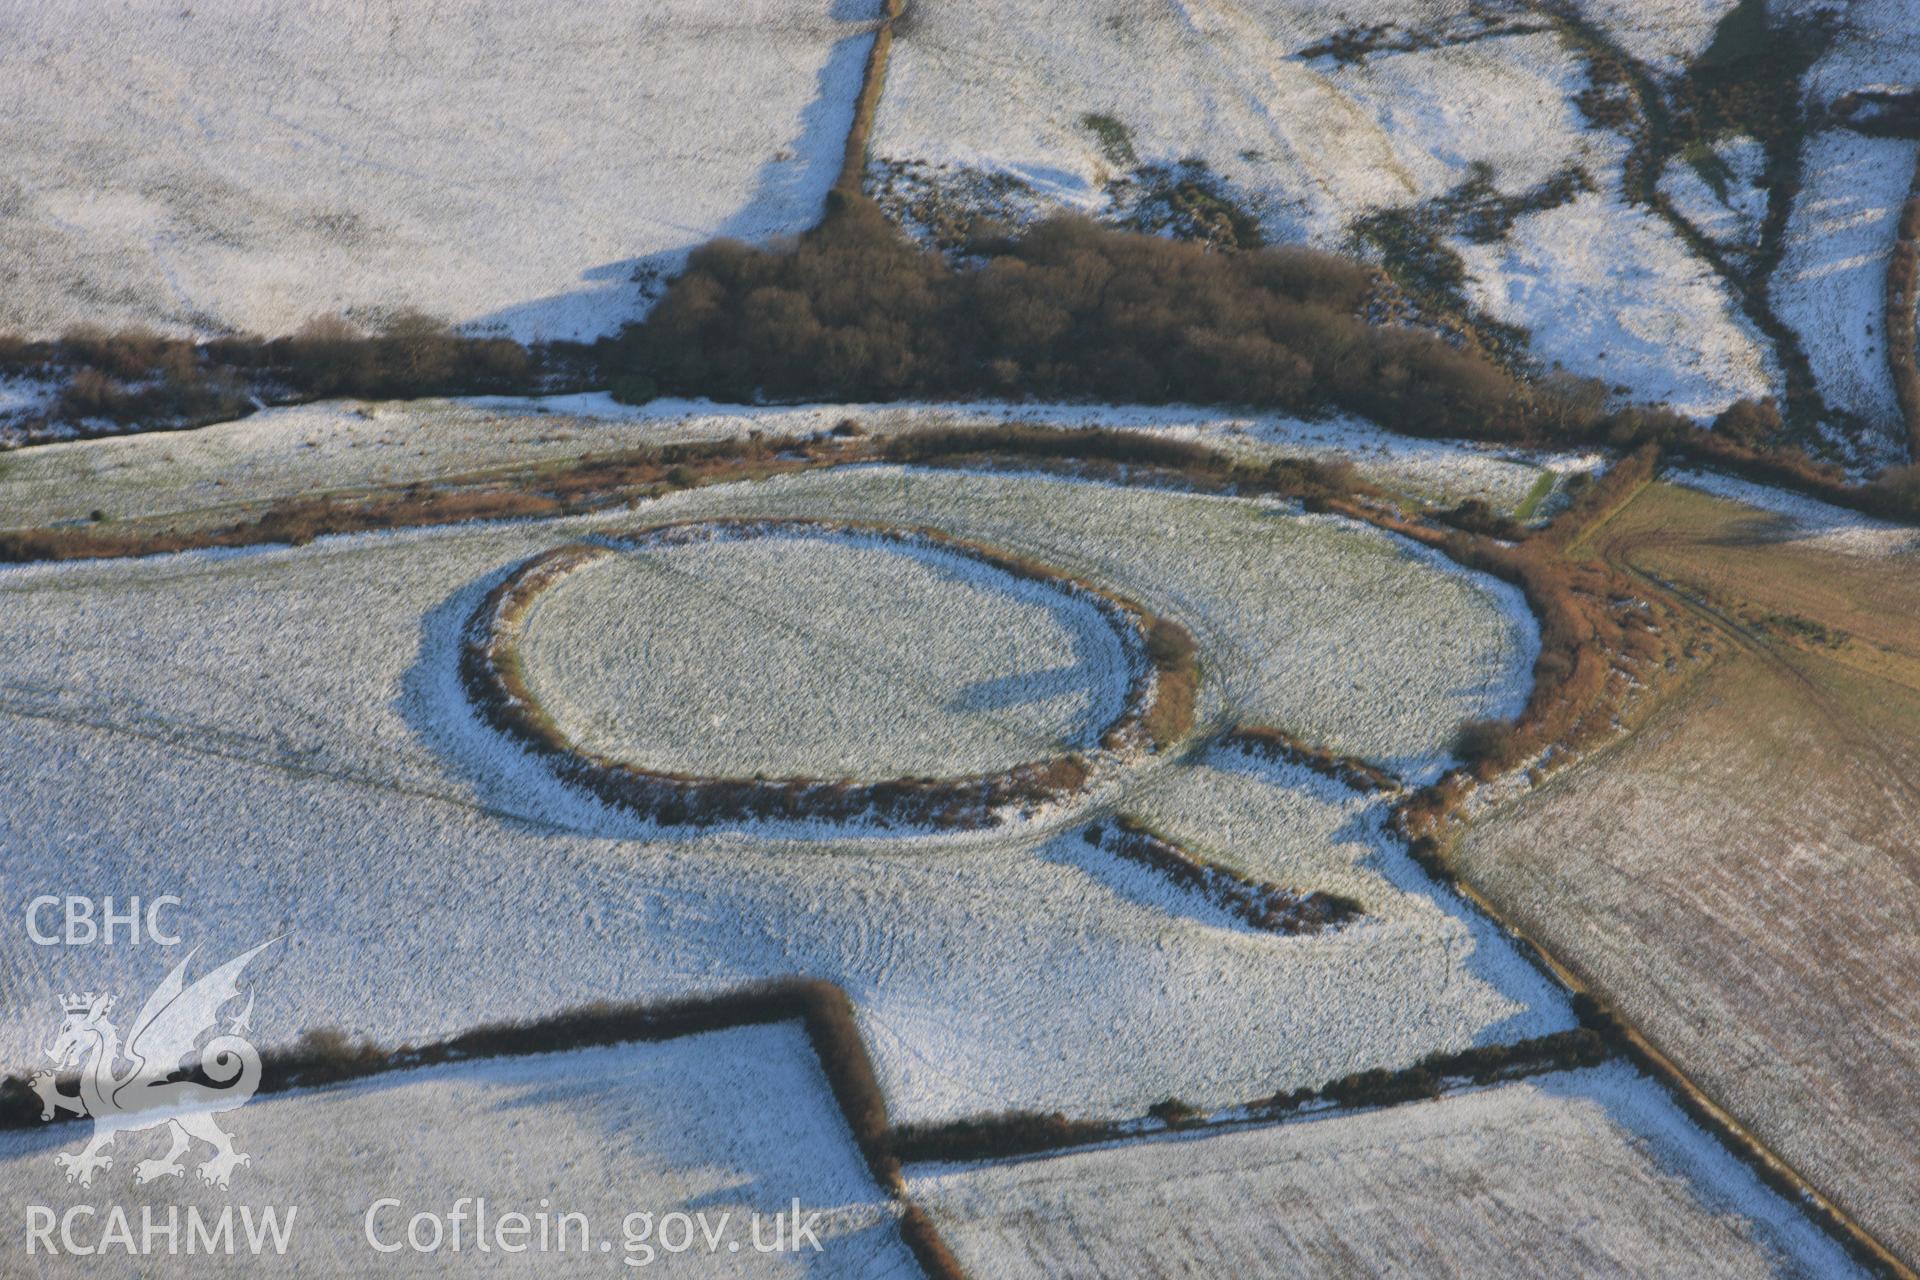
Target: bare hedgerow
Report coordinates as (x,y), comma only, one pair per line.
(1749,422)
(17,352)
(127,354)
(1486,742)
(1168,644)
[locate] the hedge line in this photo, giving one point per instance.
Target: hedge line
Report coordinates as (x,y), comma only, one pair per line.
(873,78)
(928,1248)
(327,1058)
(1599,1019)
(1021,1133)
(825,1013)
(136,376)
(1903,284)
(1259,903)
(1157,711)
(1278,746)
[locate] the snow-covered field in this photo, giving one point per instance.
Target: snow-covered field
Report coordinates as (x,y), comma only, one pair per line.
(1730,214)
(516,165)
(1831,284)
(728,1124)
(1308,145)
(340,445)
(1610,291)
(1285,606)
(1809,520)
(978,88)
(857,658)
(1873,47)
(278,737)
(1586,1173)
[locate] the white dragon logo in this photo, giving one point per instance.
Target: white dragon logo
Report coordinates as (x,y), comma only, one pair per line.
(145,1096)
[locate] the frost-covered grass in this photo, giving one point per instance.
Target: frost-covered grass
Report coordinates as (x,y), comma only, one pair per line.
(1586,1173)
(1808,520)
(1831,285)
(1443,110)
(337,445)
(1610,291)
(1282,604)
(732,1122)
(305,450)
(1664,34)
(858,658)
(517,165)
(979,89)
(278,736)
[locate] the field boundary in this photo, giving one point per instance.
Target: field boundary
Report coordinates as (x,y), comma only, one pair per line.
(1157,709)
(823,1009)
(1277,746)
(873,79)
(1016,1135)
(1586,621)
(1259,904)
(1902,320)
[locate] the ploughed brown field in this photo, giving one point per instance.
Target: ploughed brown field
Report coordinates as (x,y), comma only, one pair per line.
(1741,874)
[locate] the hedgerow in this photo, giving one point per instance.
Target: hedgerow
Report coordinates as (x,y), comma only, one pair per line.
(1157,710)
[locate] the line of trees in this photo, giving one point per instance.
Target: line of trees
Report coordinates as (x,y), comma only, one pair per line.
(129,376)
(1069,309)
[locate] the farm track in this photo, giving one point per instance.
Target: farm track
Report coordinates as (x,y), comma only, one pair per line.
(1848,727)
(1619,553)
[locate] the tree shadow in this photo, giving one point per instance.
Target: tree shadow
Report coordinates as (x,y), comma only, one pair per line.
(789,196)
(1099,656)
(1002,693)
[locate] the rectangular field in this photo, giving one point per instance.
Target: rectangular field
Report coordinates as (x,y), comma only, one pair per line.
(515,166)
(733,1123)
(1589,1173)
